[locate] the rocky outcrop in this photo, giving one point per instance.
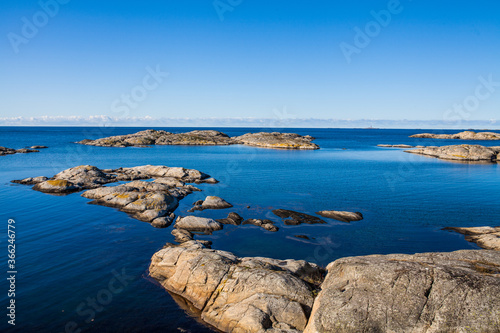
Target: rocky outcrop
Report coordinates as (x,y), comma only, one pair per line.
(38,147)
(277,140)
(466,135)
(88,177)
(205,137)
(474,153)
(265,224)
(239,294)
(232,218)
(211,202)
(397,146)
(196,223)
(290,217)
(144,201)
(341,216)
(10,151)
(429,292)
(485,237)
(149,201)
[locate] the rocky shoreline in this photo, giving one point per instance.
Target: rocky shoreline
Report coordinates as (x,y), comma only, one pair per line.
(465,135)
(429,292)
(205,137)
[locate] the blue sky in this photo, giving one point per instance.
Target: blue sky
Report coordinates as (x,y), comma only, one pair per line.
(263,56)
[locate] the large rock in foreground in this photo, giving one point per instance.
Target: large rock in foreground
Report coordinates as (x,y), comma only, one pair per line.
(466,135)
(474,153)
(239,294)
(486,237)
(430,292)
(277,140)
(205,137)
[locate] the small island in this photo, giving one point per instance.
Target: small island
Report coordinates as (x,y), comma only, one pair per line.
(205,138)
(465,135)
(467,153)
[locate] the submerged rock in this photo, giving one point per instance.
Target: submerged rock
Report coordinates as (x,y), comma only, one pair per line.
(205,137)
(395,146)
(277,140)
(466,135)
(295,218)
(211,202)
(239,294)
(341,216)
(196,223)
(429,292)
(485,237)
(265,224)
(232,218)
(38,147)
(31,180)
(460,152)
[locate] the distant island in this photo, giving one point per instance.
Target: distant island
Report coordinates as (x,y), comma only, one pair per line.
(466,135)
(205,138)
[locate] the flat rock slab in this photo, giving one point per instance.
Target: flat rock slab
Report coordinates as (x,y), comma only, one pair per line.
(341,216)
(291,217)
(429,292)
(196,223)
(205,137)
(239,294)
(485,237)
(466,135)
(474,153)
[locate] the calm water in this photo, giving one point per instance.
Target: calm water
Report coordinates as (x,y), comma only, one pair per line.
(68,251)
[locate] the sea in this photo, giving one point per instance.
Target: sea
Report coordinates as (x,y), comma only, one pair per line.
(84,268)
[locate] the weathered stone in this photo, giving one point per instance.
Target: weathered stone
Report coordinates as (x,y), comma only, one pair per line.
(341,216)
(38,147)
(182,236)
(211,202)
(56,186)
(163,222)
(460,152)
(485,237)
(295,218)
(196,223)
(238,294)
(466,135)
(277,140)
(430,292)
(10,151)
(31,180)
(232,218)
(205,137)
(265,224)
(395,146)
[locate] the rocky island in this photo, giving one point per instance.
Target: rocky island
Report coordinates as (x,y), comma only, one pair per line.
(429,292)
(149,201)
(473,153)
(466,135)
(205,137)
(485,237)
(10,151)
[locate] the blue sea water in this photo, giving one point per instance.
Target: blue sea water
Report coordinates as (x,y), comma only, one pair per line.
(69,253)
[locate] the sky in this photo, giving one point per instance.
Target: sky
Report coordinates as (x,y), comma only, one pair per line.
(390,60)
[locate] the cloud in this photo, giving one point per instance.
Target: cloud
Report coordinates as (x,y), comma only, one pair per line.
(277,122)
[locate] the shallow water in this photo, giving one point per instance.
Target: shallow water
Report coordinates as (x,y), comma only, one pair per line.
(68,251)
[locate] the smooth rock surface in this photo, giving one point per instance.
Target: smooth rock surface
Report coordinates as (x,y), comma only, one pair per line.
(291,217)
(424,293)
(196,223)
(232,218)
(265,224)
(239,294)
(211,202)
(466,135)
(56,186)
(341,216)
(460,152)
(485,237)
